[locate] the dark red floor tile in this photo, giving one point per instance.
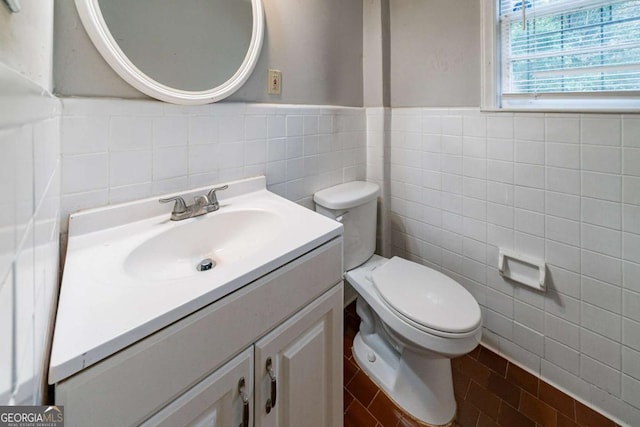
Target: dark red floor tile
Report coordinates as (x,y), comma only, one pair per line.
(564,421)
(467,414)
(507,391)
(510,417)
(384,410)
(537,410)
(485,421)
(358,416)
(483,400)
(473,369)
(496,363)
(347,347)
(349,369)
(347,399)
(523,379)
(362,388)
(587,417)
(557,399)
(460,384)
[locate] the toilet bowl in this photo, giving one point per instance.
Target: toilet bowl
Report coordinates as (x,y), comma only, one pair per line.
(406,352)
(413,318)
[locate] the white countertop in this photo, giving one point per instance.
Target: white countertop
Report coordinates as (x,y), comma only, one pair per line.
(103,308)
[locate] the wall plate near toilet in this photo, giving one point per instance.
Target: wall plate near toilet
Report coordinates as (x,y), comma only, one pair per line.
(522,269)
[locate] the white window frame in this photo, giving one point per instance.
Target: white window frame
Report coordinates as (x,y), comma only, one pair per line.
(492,100)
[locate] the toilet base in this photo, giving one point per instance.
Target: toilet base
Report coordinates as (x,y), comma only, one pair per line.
(422,386)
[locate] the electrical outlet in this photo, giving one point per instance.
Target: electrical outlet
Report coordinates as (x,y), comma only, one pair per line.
(274,83)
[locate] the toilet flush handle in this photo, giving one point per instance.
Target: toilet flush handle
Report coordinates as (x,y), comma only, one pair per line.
(340,217)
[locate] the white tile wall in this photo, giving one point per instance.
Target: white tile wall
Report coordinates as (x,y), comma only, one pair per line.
(456,184)
(119,150)
(29,235)
(562,187)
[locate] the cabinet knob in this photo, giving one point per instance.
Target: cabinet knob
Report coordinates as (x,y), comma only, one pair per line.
(271,401)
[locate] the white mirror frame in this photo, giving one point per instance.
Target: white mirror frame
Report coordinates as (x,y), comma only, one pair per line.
(96,27)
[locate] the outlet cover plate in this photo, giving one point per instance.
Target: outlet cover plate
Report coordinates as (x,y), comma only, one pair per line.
(274,83)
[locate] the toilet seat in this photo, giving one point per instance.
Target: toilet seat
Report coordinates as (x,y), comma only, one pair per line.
(426,299)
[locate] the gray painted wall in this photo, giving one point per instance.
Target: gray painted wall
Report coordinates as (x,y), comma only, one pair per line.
(375,70)
(217,31)
(435,53)
(317,44)
(26,40)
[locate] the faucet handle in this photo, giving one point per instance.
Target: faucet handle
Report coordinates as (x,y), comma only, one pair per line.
(200,200)
(179,207)
(213,198)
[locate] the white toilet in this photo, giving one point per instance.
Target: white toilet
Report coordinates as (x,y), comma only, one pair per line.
(414,319)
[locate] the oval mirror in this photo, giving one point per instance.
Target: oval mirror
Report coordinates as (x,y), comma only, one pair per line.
(184,52)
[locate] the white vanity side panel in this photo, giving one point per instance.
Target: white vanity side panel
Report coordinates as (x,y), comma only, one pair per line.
(136,382)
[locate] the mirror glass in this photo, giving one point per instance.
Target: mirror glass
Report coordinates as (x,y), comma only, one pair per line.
(191,45)
(185,52)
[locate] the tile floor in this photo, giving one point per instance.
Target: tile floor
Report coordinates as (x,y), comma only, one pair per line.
(489,391)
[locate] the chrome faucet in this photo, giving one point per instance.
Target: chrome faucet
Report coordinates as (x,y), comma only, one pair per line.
(201,205)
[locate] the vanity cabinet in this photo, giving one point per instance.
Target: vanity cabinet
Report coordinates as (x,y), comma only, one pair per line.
(297,372)
(300,365)
(189,372)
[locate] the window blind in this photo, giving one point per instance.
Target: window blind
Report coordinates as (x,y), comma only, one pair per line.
(569,46)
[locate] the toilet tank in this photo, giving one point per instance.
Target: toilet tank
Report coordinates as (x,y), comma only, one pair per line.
(355,205)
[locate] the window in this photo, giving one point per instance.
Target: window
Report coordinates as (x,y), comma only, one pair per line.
(567,54)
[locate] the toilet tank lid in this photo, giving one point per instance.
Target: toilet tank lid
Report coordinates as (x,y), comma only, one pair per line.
(347,195)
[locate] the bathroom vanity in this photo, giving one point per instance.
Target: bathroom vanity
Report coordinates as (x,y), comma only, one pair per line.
(255,341)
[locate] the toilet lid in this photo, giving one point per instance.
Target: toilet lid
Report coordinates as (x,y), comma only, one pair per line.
(427,297)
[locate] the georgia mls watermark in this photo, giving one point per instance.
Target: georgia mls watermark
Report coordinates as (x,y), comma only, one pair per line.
(31,416)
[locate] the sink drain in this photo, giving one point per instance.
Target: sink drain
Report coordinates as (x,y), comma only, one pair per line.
(206,264)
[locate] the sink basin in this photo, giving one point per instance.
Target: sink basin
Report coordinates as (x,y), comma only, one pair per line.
(130,271)
(224,237)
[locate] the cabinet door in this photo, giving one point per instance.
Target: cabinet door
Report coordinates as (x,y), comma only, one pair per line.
(216,401)
(306,363)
